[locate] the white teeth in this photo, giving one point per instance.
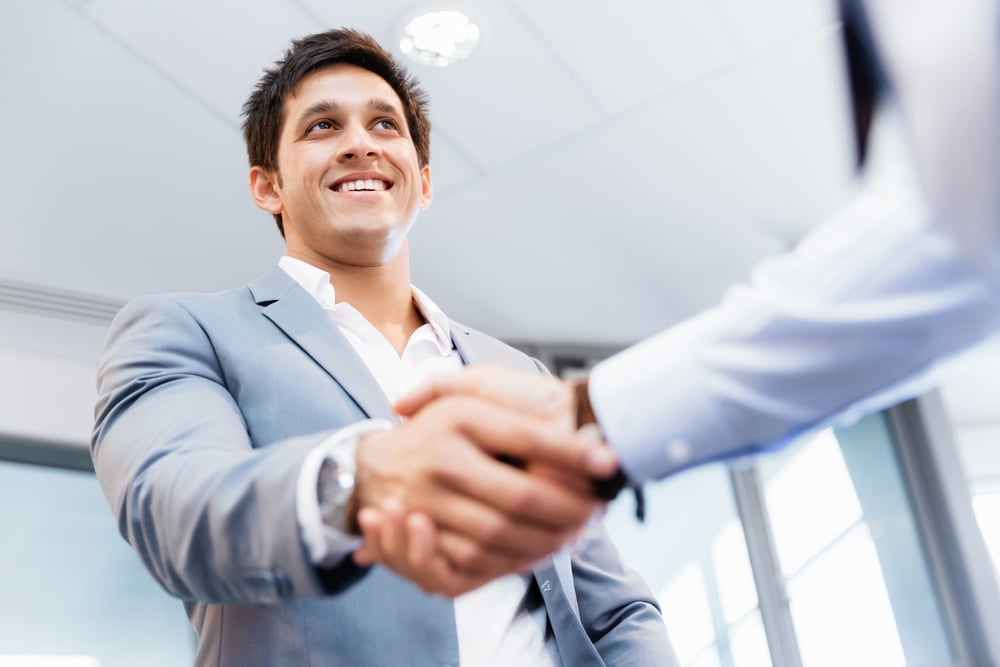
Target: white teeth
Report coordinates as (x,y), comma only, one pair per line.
(361,184)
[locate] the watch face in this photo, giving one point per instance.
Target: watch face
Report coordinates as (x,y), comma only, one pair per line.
(345,479)
(335,487)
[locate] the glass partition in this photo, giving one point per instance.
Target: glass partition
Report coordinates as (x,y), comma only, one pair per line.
(858,580)
(693,554)
(853,574)
(73,592)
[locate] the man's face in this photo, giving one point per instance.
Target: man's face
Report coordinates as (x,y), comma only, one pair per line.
(349,185)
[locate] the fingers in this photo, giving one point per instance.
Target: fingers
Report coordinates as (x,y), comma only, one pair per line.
(371,550)
(506,510)
(513,395)
(399,542)
(575,483)
(472,558)
(420,537)
(423,542)
(523,537)
(489,495)
(500,430)
(539,394)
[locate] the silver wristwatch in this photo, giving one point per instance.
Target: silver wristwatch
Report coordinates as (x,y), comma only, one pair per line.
(335,486)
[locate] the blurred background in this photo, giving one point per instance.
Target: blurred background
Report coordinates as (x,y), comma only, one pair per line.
(601,171)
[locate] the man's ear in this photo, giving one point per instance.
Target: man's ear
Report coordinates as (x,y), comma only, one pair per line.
(426,188)
(264,190)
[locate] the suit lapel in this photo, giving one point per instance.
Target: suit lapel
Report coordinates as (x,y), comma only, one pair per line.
(575,647)
(305,322)
(476,348)
(461,337)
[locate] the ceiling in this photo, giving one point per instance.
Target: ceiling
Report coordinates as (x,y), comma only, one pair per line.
(601,170)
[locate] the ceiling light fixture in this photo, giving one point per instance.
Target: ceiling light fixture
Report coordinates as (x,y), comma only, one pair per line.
(440,38)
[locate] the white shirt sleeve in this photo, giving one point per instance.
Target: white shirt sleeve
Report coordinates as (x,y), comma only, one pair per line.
(326,545)
(858,313)
(865,303)
(942,60)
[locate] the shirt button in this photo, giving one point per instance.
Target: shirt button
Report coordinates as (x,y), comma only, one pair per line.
(678,452)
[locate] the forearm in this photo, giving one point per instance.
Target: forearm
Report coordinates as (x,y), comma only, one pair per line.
(866,302)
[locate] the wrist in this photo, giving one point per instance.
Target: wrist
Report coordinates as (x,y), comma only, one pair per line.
(339,485)
(607,488)
(584,410)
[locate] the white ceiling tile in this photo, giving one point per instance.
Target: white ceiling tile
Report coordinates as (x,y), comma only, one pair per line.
(792,128)
(511,96)
(647,220)
(630,51)
(122,183)
(383,22)
(764,23)
(449,168)
(215,50)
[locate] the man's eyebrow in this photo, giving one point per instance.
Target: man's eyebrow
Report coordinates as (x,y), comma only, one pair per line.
(384,106)
(316,109)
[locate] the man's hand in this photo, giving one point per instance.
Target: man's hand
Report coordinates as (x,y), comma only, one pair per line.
(520,514)
(480,517)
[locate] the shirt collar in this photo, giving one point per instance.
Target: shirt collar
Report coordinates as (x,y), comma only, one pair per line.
(436,318)
(316,282)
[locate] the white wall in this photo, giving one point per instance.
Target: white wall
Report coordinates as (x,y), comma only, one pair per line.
(47,377)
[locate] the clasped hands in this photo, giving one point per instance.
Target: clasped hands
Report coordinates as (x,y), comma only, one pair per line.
(486,476)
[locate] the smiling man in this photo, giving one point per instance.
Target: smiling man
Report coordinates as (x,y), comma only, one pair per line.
(239,433)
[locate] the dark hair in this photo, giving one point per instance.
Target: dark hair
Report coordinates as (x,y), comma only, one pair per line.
(262,112)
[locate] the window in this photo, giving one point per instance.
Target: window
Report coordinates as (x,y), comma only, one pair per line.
(858,582)
(72,588)
(986,504)
(850,566)
(693,554)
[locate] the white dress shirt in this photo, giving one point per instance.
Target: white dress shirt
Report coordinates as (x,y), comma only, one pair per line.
(906,274)
(493,625)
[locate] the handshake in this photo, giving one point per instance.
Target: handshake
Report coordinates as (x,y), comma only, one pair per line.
(487,475)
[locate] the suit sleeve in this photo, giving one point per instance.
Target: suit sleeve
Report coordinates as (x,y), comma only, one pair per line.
(211,517)
(617,609)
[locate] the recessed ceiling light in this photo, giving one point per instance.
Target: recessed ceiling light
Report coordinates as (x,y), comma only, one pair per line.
(440,38)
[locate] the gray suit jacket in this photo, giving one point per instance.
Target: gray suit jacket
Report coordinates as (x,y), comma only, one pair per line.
(208,404)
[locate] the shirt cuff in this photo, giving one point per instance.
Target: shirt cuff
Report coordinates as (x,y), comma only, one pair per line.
(326,546)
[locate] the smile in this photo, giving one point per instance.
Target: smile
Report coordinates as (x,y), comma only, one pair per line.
(362,185)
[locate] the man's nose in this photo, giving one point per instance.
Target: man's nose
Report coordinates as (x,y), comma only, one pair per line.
(358,143)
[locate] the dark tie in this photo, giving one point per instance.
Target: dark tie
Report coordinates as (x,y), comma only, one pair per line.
(868,80)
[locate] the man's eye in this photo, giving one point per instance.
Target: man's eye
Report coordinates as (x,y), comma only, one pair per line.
(321,125)
(386,124)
